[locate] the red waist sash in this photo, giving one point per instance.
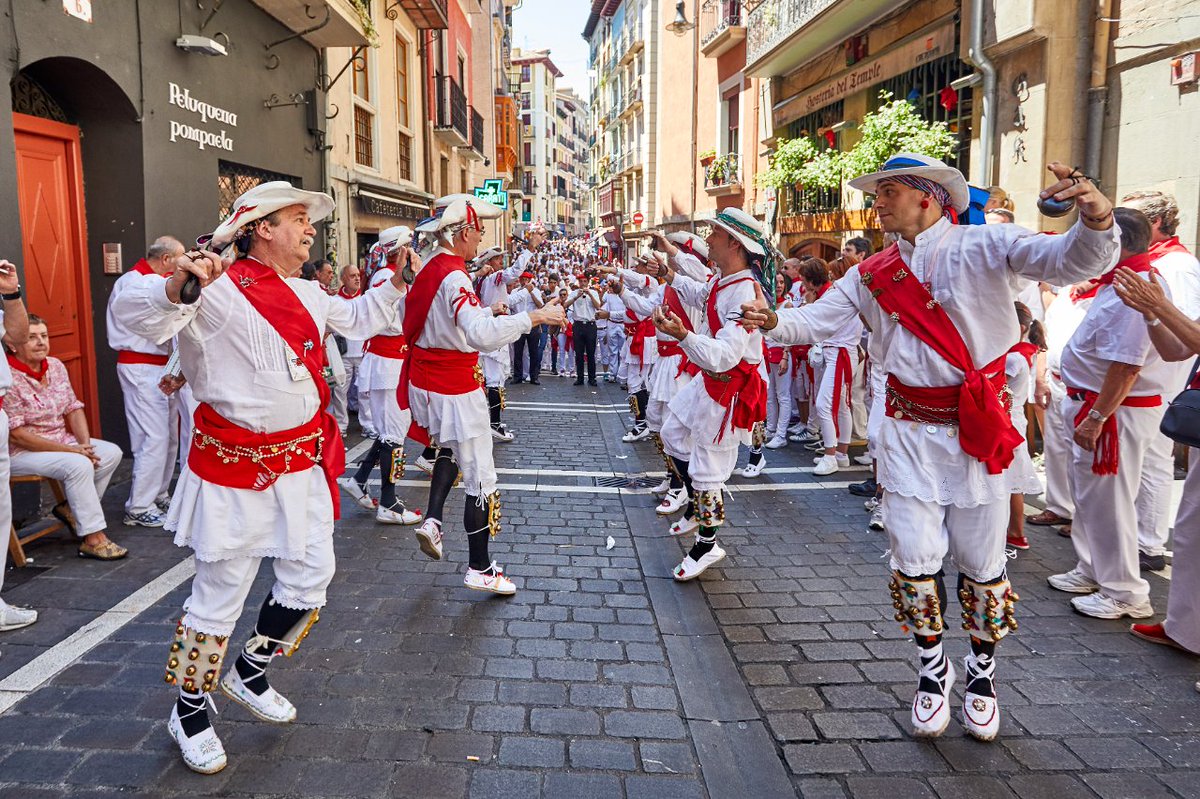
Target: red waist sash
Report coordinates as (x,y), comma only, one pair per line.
(229,455)
(668,348)
(742,392)
(387,346)
(637,333)
(447,372)
(774,354)
(131,357)
(940,404)
(843,379)
(1107,456)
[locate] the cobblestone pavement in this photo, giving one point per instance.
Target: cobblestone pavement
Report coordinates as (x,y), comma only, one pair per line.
(780,674)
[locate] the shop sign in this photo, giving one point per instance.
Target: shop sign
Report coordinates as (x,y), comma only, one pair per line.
(493,192)
(202,137)
(896,61)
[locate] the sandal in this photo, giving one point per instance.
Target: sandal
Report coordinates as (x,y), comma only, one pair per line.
(109,550)
(1046,518)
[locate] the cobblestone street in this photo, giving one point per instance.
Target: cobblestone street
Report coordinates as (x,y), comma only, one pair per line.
(781,673)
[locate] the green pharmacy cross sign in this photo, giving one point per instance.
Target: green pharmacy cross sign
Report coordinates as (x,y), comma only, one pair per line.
(493,191)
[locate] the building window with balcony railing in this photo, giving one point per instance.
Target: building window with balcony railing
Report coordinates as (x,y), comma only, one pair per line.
(922,87)
(718,16)
(813,200)
(364,138)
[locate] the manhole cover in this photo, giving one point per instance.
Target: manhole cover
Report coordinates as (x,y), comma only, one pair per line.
(627,482)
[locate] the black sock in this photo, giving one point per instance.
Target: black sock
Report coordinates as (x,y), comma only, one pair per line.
(676,481)
(706,539)
(387,491)
(932,655)
(445,472)
(681,466)
(368,463)
(475,519)
(429,453)
(643,398)
(493,397)
(985,653)
(756,457)
(193,712)
(274,622)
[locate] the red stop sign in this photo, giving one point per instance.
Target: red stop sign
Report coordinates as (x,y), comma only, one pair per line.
(638,218)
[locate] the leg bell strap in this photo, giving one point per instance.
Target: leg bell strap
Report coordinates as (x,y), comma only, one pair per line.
(758,436)
(291,640)
(918,608)
(396,468)
(493,513)
(710,508)
(989,609)
(195,660)
(633,405)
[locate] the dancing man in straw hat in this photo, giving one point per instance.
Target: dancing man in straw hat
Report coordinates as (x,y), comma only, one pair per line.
(940,304)
(265,455)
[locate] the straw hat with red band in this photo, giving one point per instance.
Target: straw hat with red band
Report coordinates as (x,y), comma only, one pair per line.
(264,200)
(393,238)
(690,243)
(454,212)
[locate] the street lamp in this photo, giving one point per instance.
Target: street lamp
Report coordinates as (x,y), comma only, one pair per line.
(680,24)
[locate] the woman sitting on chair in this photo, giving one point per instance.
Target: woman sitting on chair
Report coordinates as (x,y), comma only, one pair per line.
(49,438)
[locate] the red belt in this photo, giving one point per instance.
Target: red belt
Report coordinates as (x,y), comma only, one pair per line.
(774,354)
(387,347)
(129,357)
(934,404)
(1107,456)
(668,348)
(229,455)
(742,392)
(447,372)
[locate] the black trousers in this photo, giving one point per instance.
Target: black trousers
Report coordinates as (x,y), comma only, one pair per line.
(585,349)
(527,342)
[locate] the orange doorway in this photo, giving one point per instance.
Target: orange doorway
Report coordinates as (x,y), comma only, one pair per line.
(54,246)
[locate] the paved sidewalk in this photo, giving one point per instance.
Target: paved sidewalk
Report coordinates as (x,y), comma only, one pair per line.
(780,674)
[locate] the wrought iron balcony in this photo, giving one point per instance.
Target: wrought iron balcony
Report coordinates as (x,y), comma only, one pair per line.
(772,22)
(425,14)
(721,26)
(477,146)
(451,120)
(723,176)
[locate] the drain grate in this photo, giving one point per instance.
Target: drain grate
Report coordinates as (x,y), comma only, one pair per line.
(627,482)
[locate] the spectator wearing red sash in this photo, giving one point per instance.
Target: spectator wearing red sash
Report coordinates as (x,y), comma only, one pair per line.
(939,303)
(715,413)
(779,377)
(1180,273)
(1176,337)
(265,455)
(149,413)
(447,326)
(1115,383)
(383,358)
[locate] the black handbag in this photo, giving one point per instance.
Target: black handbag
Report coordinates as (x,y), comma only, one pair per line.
(1181,422)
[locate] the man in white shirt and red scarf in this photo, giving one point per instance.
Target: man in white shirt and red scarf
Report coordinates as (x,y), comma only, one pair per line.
(447,326)
(265,455)
(939,303)
(716,413)
(383,359)
(1115,383)
(150,413)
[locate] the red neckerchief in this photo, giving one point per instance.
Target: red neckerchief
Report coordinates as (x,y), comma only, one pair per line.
(143,267)
(821,291)
(1141,262)
(341,292)
(19,366)
(714,320)
(1161,248)
(1025,350)
(268,294)
(986,431)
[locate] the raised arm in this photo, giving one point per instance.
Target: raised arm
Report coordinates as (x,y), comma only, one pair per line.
(688,264)
(641,305)
(691,292)
(816,321)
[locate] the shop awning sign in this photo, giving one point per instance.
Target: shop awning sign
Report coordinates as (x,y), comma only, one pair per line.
(493,192)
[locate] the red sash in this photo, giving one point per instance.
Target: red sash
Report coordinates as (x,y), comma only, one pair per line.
(843,379)
(637,331)
(774,354)
(710,307)
(1142,262)
(387,346)
(1026,350)
(743,394)
(1107,456)
(268,294)
(1159,249)
(675,304)
(445,371)
(229,455)
(986,431)
(131,357)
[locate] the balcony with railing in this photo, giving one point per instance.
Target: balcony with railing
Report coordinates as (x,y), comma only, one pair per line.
(631,102)
(451,121)
(783,34)
(507,138)
(721,26)
(631,43)
(477,145)
(723,176)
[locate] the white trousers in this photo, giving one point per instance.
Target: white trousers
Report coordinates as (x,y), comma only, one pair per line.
(1153,503)
(390,422)
(185,409)
(339,398)
(779,401)
(1057,458)
(859,408)
(153,434)
(5,494)
(220,588)
(824,405)
(83,483)
(1104,530)
(922,533)
(878,409)
(474,458)
(1183,600)
(708,467)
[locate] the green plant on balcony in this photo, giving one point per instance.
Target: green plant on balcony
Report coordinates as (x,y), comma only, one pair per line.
(895,128)
(786,164)
(707,157)
(364,19)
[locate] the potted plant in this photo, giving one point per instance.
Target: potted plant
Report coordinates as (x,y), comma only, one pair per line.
(707,157)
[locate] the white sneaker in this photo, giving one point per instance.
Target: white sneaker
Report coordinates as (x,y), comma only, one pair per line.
(863,460)
(871,504)
(662,487)
(805,436)
(684,526)
(981,714)
(424,464)
(826,464)
(674,500)
(931,711)
(1101,606)
(270,705)
(689,569)
(843,460)
(1073,582)
(816,445)
(876,522)
(636,434)
(149,518)
(778,442)
(502,434)
(356,492)
(203,752)
(14,618)
(754,469)
(403,516)
(429,538)
(491,580)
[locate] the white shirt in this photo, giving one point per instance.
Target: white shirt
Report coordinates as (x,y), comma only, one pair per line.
(615,307)
(1181,273)
(378,280)
(1062,318)
(6,378)
(120,336)
(582,308)
(520,300)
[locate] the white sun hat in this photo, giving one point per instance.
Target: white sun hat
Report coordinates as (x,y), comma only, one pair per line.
(921,166)
(690,242)
(265,199)
(458,209)
(743,227)
(393,238)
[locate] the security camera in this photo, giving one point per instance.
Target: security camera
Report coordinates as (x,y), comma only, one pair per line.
(190,43)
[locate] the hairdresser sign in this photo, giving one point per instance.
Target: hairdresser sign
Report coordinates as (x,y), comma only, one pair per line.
(206,126)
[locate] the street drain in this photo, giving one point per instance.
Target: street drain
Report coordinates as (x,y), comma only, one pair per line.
(627,482)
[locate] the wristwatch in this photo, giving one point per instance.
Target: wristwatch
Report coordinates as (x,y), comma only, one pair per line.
(1096,416)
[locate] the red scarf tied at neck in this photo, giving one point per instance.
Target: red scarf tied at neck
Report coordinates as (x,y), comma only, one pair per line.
(19,366)
(1142,262)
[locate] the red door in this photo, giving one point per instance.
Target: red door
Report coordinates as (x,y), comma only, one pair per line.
(54,236)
